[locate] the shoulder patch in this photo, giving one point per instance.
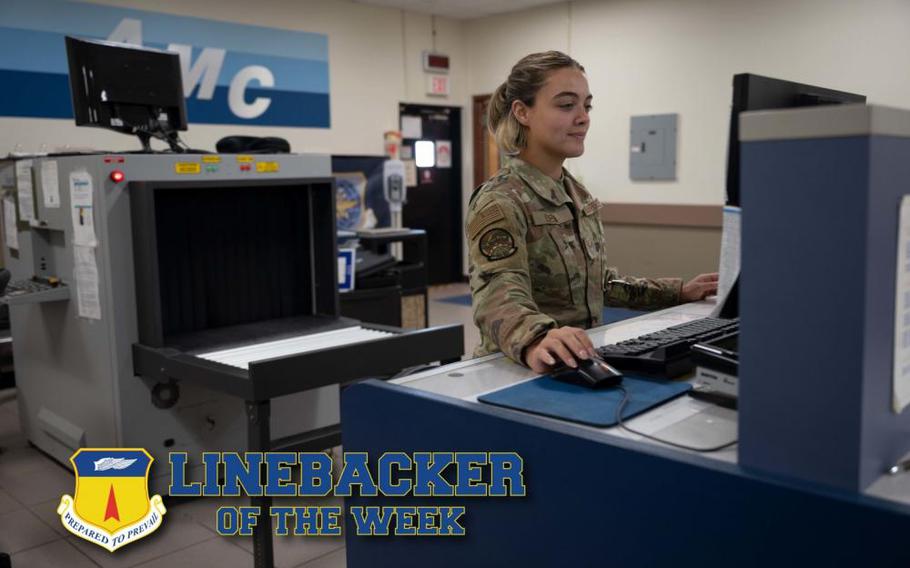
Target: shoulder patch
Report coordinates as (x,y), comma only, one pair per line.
(497,244)
(489,214)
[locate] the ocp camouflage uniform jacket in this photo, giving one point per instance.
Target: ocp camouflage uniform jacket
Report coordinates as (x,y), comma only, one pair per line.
(537,261)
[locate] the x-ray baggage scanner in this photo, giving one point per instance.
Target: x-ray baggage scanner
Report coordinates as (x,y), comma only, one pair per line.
(178,301)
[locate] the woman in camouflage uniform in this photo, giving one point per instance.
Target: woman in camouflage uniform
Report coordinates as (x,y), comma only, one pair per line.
(537,260)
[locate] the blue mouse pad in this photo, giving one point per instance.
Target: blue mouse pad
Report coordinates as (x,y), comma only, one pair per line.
(595,407)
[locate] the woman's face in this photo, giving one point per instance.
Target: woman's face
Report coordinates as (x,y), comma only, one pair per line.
(559,119)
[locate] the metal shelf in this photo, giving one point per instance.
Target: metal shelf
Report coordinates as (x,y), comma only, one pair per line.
(56,294)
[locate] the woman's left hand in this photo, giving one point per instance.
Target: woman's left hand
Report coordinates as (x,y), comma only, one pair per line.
(699,288)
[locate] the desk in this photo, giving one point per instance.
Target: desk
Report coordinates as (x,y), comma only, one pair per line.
(596,494)
(683,420)
(402,299)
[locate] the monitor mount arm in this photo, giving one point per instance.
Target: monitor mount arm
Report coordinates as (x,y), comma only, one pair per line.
(159,132)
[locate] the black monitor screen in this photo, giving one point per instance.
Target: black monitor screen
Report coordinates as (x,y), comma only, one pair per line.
(125,88)
(754,92)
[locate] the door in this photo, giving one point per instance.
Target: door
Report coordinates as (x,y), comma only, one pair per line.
(434,203)
(486,153)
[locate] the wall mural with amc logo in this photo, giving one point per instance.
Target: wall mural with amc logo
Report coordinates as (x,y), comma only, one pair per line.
(232,73)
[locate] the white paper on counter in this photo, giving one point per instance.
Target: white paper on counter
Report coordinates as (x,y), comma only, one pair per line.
(85,273)
(82,210)
(24,190)
(50,184)
(729,255)
(901,370)
(11,232)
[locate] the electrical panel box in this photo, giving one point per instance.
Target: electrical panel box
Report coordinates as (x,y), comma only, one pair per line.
(652,147)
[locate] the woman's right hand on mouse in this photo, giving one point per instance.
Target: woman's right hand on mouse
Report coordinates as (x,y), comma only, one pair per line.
(565,344)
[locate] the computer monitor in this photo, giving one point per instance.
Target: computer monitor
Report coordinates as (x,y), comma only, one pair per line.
(754,92)
(134,90)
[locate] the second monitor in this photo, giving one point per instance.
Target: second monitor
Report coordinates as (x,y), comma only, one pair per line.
(755,92)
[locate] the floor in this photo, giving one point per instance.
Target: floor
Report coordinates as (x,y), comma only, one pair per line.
(31,485)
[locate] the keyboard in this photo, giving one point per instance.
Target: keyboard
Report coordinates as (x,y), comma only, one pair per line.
(666,353)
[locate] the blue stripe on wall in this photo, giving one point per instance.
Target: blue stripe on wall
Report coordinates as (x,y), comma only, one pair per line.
(47,54)
(26,93)
(290,74)
(46,51)
(47,95)
(286,109)
(78,18)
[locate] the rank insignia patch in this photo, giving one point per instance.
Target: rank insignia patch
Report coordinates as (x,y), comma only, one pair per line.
(497,244)
(111,507)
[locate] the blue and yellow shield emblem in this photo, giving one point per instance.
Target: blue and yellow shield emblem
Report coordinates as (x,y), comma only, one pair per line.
(112,506)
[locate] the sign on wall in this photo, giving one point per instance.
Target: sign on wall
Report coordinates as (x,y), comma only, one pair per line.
(232,73)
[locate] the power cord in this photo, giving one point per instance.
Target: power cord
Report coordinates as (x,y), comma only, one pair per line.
(621,424)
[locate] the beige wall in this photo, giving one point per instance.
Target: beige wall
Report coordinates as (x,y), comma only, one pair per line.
(644,250)
(678,56)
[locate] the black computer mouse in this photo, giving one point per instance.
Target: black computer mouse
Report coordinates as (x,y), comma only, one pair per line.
(591,373)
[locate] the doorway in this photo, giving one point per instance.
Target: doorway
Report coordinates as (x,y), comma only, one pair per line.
(487,160)
(431,139)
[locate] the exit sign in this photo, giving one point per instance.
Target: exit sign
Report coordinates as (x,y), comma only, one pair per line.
(437,85)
